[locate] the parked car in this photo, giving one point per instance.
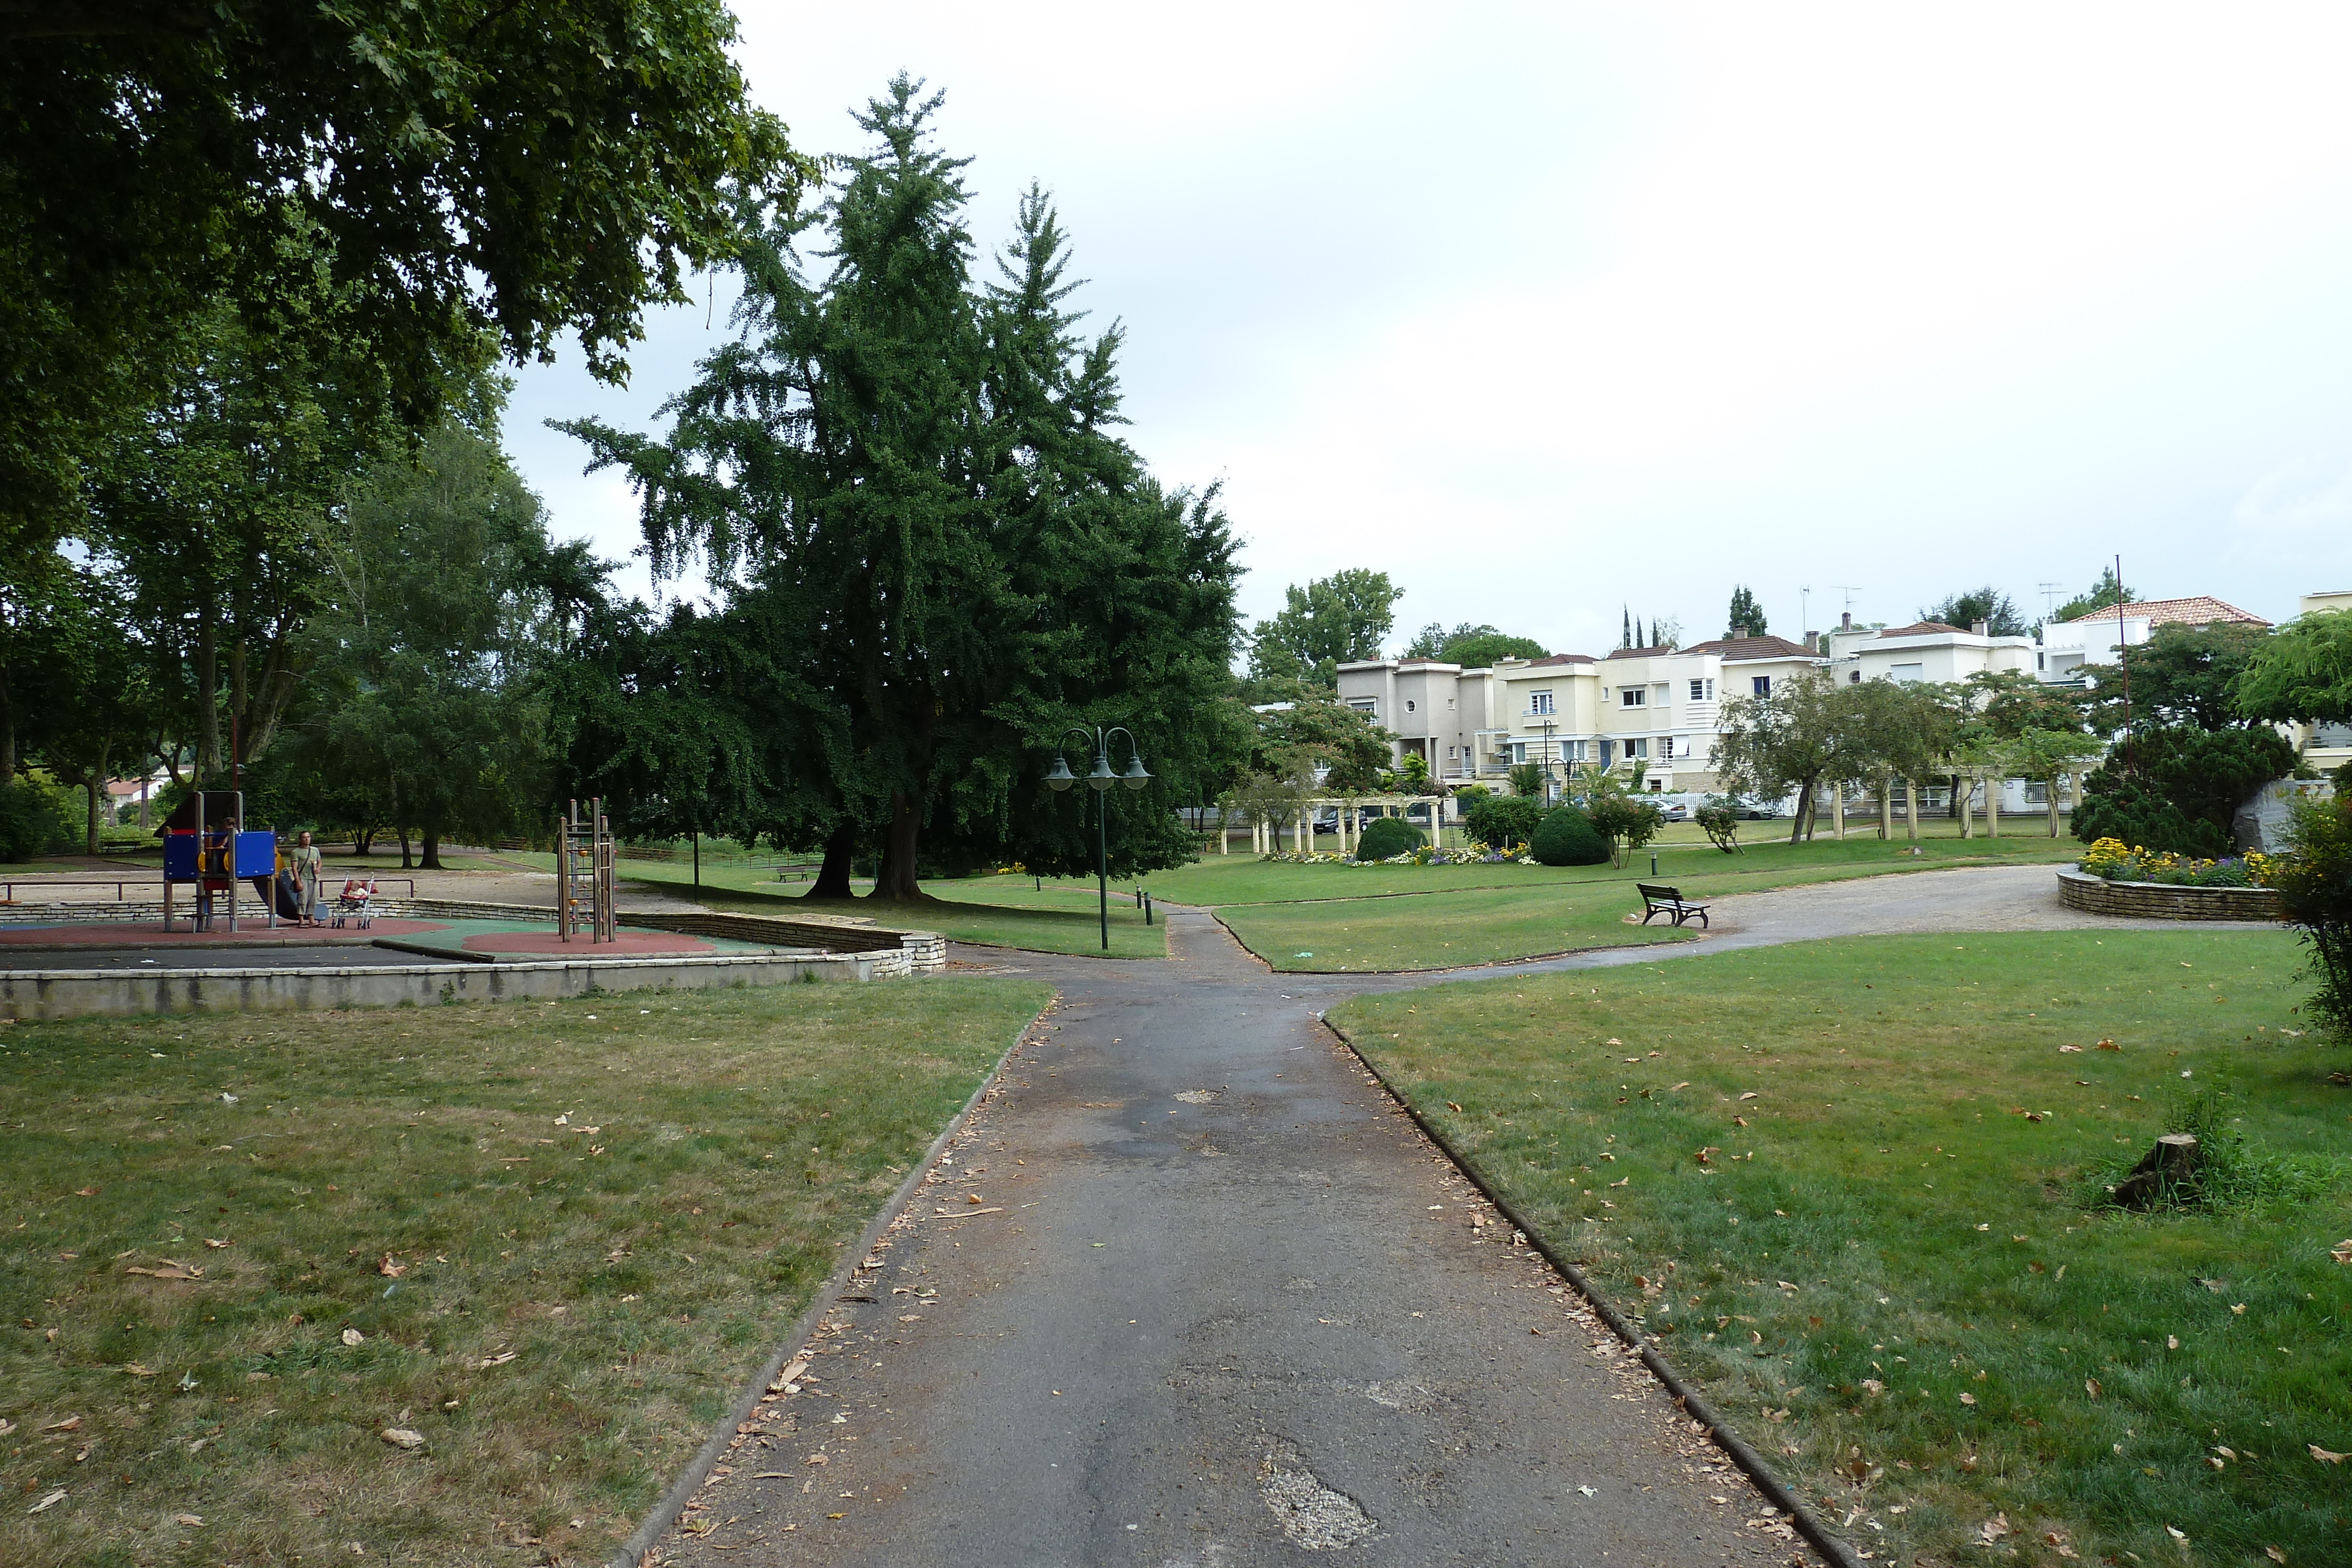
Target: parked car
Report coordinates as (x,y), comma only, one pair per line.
(1675,812)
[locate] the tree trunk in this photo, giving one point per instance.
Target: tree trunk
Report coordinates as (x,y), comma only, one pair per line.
(362,839)
(95,781)
(431,849)
(1911,807)
(840,850)
(1961,787)
(2169,1165)
(406,863)
(2054,780)
(1885,808)
(895,879)
(7,733)
(208,746)
(1804,810)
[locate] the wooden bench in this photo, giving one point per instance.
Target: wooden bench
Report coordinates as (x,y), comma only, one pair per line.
(1657,901)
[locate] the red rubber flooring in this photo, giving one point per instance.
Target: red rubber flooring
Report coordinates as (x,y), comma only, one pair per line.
(628,944)
(251,932)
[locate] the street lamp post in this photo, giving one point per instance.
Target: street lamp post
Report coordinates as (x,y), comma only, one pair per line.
(1059,778)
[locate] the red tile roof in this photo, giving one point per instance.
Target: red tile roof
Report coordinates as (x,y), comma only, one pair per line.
(1735,649)
(2199,610)
(1645,652)
(1923,629)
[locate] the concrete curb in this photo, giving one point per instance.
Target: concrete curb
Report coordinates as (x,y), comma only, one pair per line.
(672,1507)
(1692,1403)
(1451,969)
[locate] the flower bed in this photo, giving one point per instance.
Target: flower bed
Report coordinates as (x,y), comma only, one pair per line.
(2164,901)
(2113,861)
(1518,855)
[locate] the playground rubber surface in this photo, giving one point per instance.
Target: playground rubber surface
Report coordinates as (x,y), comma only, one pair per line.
(254,945)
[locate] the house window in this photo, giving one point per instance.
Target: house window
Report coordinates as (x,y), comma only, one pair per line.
(1539,702)
(1698,691)
(1408,705)
(1761,685)
(1368,706)
(1451,753)
(1634,696)
(1906,674)
(1637,748)
(1854,678)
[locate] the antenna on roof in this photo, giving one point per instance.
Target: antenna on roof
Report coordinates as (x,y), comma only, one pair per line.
(2049,591)
(1849,590)
(1804,608)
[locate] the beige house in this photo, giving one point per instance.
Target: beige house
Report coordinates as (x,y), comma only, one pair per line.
(2068,645)
(2326,747)
(1658,706)
(1926,651)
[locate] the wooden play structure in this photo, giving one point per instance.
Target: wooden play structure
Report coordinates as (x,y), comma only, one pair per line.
(584,873)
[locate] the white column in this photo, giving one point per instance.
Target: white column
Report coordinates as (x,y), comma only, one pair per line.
(1837,809)
(1992,805)
(1911,807)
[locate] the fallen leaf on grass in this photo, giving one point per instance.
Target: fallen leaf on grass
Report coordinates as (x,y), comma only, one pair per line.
(1451,1106)
(1968,1398)
(1876,1387)
(135,1370)
(353,1336)
(2091,1386)
(86,1192)
(401,1437)
(1990,1531)
(50,1502)
(170,1270)
(2274,1553)
(390,1270)
(2058,1543)
(2108,1045)
(498,1360)
(1749,1095)
(2324,1456)
(216,1243)
(73,1423)
(2075,1049)
(192,1520)
(2342,1250)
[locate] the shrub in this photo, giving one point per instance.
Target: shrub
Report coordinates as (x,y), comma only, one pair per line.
(1625,821)
(39,816)
(1499,821)
(1721,824)
(1386,836)
(2313,880)
(1567,837)
(2177,789)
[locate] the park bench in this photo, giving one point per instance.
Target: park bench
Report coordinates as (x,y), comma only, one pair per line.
(1657,900)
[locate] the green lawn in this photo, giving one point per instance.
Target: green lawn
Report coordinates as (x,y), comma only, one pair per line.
(1535,909)
(563,1234)
(1851,1187)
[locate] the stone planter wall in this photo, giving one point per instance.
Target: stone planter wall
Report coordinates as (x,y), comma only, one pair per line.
(2159,901)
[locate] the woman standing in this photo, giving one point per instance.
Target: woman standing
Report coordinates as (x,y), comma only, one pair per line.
(307,869)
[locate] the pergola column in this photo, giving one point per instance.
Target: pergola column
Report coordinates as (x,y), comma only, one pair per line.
(1992,805)
(1911,807)
(1837,810)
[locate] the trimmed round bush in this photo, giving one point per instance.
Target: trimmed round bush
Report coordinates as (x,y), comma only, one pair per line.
(1386,836)
(1568,837)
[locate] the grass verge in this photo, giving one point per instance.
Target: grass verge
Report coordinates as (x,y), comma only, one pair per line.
(1844,1185)
(550,1238)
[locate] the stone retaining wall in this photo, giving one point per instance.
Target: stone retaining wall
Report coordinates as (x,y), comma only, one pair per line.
(2162,901)
(51,994)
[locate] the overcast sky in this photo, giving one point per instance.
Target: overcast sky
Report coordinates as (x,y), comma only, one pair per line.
(1549,310)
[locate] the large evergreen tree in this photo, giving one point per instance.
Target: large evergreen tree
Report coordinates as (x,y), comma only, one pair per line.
(912,482)
(1745,618)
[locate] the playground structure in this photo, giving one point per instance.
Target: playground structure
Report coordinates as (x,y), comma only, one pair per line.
(584,875)
(207,846)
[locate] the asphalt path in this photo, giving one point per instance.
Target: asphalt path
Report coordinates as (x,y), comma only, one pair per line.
(1192,1290)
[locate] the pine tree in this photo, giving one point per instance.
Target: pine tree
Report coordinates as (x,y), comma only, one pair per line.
(1746,617)
(910,483)
(1625,639)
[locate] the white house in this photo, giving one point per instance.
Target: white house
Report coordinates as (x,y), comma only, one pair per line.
(2068,645)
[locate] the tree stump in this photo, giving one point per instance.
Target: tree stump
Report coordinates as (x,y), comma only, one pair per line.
(2170,1163)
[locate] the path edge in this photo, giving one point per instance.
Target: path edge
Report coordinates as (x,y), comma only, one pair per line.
(663,1517)
(1694,1404)
(1212,913)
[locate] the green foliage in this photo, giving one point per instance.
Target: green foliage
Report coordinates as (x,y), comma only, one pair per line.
(2179,789)
(1472,647)
(1386,836)
(1499,821)
(1805,731)
(38,816)
(1720,823)
(2314,888)
(1746,617)
(1528,780)
(1311,731)
(1330,621)
(2302,672)
(2231,1175)
(2011,703)
(1625,819)
(937,557)
(1567,836)
(442,167)
(422,707)
(2105,594)
(2182,675)
(1988,604)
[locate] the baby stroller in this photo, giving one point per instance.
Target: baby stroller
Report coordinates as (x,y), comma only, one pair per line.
(356,905)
